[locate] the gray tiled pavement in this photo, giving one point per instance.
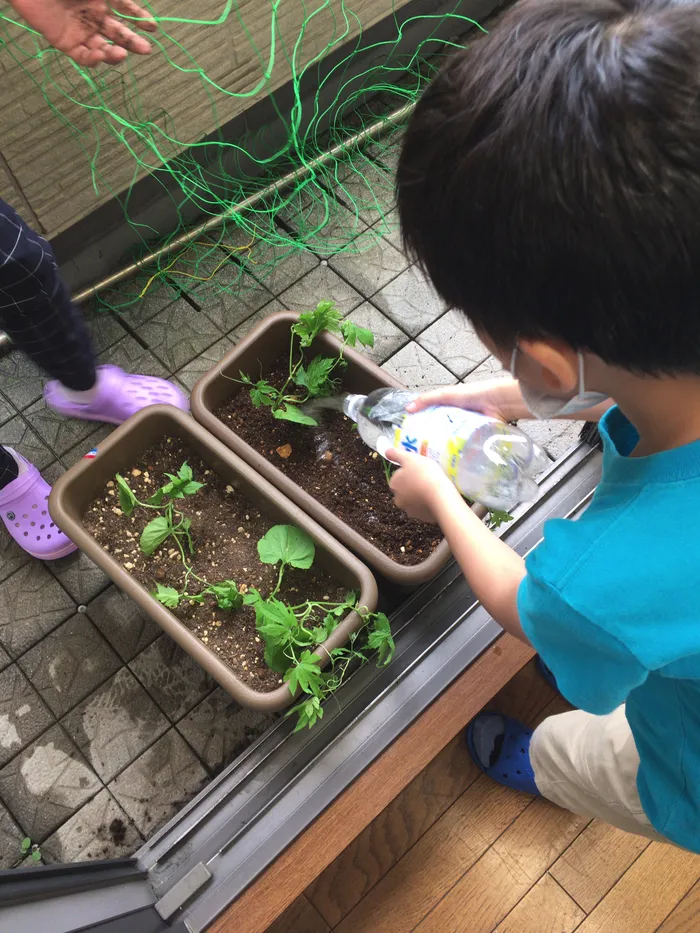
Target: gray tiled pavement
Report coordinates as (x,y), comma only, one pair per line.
(106,726)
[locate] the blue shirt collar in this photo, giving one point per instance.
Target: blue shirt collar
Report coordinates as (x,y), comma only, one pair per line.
(620,437)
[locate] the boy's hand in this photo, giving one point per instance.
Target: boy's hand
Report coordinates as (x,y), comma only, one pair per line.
(497,398)
(84,29)
(417,484)
(493,570)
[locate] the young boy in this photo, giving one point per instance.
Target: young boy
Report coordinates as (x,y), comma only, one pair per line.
(549,184)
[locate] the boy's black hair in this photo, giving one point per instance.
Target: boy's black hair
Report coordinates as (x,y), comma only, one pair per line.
(549,181)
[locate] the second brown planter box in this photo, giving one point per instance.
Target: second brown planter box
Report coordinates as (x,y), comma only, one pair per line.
(76,489)
(256,353)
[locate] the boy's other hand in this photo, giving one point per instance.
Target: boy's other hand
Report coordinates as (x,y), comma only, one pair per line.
(85,29)
(417,484)
(493,397)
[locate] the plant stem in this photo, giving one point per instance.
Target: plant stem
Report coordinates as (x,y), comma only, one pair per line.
(189,570)
(292,371)
(276,590)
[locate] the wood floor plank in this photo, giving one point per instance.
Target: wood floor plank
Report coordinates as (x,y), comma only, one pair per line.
(437,861)
(525,696)
(555,707)
(685,917)
(647,892)
(366,860)
(546,908)
(376,850)
(595,861)
(492,887)
(299,917)
(303,861)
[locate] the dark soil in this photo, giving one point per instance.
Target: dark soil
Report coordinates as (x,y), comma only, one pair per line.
(334,465)
(117,831)
(225,529)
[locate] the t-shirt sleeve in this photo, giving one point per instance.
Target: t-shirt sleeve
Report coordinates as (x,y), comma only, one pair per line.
(594,670)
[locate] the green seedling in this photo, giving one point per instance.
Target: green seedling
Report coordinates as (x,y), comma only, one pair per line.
(389,470)
(172,524)
(497,518)
(315,379)
(293,643)
(293,635)
(28,847)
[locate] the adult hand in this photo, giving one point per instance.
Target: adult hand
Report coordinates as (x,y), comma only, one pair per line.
(84,29)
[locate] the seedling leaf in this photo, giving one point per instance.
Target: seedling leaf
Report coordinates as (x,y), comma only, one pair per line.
(330,624)
(292,413)
(227,594)
(252,597)
(381,640)
(309,711)
(26,844)
(288,544)
(306,675)
(310,324)
(315,377)
(190,488)
(36,855)
(154,534)
(498,518)
(127,500)
(354,334)
(262,393)
(179,486)
(276,622)
(167,595)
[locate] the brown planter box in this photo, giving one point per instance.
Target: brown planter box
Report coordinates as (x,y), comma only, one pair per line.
(255,354)
(77,488)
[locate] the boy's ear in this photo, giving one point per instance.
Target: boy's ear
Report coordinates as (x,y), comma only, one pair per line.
(558,364)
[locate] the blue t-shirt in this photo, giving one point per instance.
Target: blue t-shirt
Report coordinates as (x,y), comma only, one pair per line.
(612,604)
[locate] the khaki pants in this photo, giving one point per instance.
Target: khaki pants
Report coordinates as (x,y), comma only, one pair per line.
(588,764)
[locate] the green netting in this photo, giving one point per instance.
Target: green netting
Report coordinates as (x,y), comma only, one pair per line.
(344,204)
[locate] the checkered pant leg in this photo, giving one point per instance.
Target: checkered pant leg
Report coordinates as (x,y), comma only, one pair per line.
(36,310)
(8,468)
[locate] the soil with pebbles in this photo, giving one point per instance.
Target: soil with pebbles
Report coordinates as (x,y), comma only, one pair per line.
(225,530)
(334,465)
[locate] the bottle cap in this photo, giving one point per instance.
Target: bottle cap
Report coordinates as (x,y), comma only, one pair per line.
(352,406)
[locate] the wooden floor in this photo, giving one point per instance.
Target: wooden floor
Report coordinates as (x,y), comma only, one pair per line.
(456,853)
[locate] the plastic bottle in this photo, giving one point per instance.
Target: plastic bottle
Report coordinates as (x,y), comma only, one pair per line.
(488,461)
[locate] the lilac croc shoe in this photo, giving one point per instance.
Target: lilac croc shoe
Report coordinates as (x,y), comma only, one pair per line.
(119,395)
(24,509)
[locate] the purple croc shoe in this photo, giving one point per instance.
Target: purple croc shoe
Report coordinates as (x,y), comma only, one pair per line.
(24,509)
(119,396)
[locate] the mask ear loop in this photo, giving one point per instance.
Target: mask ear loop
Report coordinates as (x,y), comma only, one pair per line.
(513,358)
(581,374)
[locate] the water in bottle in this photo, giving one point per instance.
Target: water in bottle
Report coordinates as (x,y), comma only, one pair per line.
(488,461)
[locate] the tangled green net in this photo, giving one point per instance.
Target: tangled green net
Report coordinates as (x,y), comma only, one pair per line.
(343,204)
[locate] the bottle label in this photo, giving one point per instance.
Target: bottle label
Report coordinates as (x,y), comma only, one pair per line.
(441,433)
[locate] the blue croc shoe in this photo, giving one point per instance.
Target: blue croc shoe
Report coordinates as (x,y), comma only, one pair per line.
(500,747)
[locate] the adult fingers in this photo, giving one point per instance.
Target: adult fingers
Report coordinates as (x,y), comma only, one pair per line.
(121,35)
(94,51)
(129,8)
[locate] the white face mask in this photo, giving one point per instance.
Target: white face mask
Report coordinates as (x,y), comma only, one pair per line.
(545,407)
